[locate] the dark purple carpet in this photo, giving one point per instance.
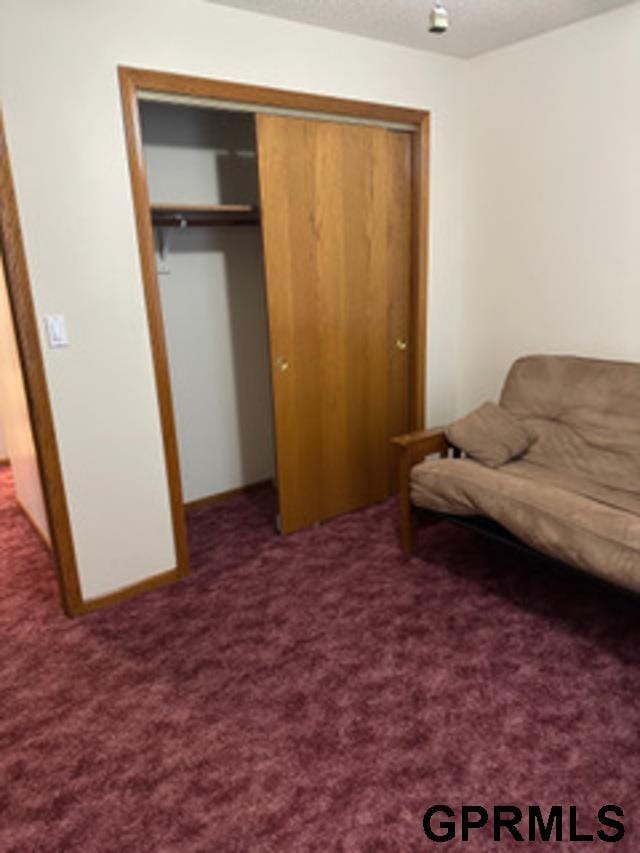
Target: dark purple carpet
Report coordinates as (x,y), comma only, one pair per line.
(311,693)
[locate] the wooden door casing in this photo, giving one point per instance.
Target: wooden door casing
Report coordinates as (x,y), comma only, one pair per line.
(337,226)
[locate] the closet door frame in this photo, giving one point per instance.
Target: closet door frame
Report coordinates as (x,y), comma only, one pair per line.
(134,81)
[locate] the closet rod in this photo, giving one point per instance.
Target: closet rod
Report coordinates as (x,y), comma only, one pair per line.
(240,107)
(181,216)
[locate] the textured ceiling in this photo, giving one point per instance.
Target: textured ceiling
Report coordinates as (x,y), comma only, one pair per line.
(476,26)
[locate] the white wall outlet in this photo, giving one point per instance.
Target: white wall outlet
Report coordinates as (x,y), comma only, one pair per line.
(56,329)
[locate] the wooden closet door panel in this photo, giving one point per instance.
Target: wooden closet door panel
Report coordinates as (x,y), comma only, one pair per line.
(336,219)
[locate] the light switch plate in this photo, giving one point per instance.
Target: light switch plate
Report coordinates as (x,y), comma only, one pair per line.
(56,329)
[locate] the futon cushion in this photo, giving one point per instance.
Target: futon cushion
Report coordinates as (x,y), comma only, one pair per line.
(588,526)
(585,413)
(490,435)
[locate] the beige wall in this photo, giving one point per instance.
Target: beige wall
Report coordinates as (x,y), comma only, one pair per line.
(553,205)
(58,83)
(15,420)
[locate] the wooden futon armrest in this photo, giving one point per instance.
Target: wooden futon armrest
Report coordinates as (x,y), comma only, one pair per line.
(412,448)
(417,445)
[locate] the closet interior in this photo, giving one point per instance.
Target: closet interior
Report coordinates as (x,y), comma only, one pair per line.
(202,178)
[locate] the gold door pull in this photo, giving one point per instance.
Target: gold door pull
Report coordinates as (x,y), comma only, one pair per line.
(401,344)
(282,363)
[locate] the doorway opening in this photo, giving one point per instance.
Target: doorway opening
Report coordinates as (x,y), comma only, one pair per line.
(19,465)
(25,540)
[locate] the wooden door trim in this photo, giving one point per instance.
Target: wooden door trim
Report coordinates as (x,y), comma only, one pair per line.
(136,80)
(420,271)
(144,226)
(37,393)
(225,90)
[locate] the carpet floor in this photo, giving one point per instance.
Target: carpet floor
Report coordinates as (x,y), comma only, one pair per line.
(312,693)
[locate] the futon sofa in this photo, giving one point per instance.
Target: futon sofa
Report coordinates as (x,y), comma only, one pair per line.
(556,463)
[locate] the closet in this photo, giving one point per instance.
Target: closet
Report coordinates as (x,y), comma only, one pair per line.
(286,266)
(203,186)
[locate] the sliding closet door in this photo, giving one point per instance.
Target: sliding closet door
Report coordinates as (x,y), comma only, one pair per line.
(336,214)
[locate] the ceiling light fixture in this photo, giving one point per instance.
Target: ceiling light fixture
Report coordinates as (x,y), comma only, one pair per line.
(439,19)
